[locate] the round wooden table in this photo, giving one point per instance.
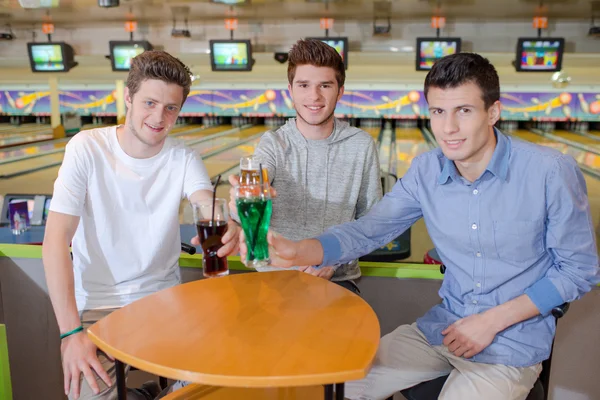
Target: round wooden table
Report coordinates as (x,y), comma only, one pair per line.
(271,329)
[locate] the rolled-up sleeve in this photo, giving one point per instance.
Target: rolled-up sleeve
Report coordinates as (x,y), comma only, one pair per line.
(569,239)
(386,220)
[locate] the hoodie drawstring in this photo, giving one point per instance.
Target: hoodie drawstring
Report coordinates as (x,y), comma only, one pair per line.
(326,189)
(305,191)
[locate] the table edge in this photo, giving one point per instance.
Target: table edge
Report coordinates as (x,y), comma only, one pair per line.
(232,381)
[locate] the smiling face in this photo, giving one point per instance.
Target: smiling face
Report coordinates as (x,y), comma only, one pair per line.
(315,93)
(462,125)
(152,111)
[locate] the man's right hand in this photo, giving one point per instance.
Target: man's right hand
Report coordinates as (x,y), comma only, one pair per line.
(282,252)
(79,356)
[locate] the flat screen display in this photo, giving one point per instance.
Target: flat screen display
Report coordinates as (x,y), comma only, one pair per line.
(539,54)
(30,204)
(429,50)
(50,57)
(121,53)
(231,55)
(339,43)
(47,57)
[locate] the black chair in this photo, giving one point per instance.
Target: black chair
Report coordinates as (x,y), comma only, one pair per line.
(430,390)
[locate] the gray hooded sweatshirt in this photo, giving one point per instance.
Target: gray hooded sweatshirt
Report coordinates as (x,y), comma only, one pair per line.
(320,183)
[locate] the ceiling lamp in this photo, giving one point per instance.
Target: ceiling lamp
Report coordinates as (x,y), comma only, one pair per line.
(108,3)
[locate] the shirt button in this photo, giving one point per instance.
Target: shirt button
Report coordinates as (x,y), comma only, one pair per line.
(478,254)
(474,301)
(478,284)
(475,191)
(474,226)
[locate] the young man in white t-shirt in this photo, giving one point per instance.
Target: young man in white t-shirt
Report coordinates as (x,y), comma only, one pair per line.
(117,198)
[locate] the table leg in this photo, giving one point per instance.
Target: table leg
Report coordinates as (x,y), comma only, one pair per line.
(121,386)
(339,391)
(328,392)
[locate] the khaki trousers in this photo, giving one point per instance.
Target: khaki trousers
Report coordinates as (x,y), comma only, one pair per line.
(405,358)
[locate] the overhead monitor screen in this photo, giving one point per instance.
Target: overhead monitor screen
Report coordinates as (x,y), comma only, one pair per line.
(47,57)
(540,54)
(231,55)
(429,50)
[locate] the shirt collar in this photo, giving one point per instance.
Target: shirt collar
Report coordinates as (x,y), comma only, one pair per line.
(498,165)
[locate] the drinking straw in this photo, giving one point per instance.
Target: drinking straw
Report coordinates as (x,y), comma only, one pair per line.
(260,170)
(261,180)
(214,227)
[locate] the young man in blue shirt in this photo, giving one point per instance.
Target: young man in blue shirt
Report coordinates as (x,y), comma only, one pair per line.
(511,222)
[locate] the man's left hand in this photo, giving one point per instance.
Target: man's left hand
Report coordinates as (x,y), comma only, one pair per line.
(324,272)
(469,336)
(230,240)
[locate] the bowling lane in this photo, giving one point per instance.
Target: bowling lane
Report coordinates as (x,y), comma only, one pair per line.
(22,165)
(24,139)
(202,133)
(51,145)
(373,131)
(28,137)
(596,134)
(30,163)
(12,130)
(577,138)
(28,150)
(41,181)
(534,138)
(223,141)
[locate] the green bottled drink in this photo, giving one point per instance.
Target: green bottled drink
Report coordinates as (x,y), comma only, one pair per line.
(255,216)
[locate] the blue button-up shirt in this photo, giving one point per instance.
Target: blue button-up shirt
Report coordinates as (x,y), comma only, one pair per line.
(523,226)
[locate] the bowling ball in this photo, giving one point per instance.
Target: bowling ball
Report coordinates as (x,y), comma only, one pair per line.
(414,96)
(270,95)
(565,98)
(595,107)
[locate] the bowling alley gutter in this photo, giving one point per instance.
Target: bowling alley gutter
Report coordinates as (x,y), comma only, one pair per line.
(587,135)
(579,146)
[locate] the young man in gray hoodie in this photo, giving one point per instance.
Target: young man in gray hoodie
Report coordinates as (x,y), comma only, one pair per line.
(325,171)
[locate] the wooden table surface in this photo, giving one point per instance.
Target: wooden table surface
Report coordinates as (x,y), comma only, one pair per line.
(271,329)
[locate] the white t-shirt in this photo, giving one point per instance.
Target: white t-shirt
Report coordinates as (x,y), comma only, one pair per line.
(127,244)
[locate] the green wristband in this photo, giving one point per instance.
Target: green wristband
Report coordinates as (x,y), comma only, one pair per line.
(74,331)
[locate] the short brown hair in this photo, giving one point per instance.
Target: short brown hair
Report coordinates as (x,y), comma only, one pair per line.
(460,68)
(155,64)
(317,53)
